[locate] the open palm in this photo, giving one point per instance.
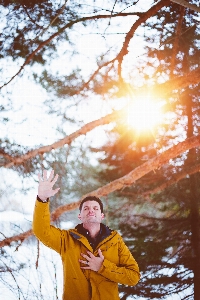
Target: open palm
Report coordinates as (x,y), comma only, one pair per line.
(45,188)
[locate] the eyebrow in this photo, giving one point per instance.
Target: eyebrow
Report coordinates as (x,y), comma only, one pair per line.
(86,206)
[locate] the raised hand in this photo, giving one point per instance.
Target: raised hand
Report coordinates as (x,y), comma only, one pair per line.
(45,188)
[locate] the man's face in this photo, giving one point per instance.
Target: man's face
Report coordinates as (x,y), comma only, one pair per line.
(91,212)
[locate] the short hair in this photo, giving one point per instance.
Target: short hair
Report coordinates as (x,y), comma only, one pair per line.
(91,198)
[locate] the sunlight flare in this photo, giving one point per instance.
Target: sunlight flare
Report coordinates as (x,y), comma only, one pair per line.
(143,114)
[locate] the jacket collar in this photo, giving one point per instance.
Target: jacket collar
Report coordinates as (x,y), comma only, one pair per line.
(103,233)
(106,234)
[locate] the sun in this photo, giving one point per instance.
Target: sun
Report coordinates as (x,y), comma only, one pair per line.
(144,113)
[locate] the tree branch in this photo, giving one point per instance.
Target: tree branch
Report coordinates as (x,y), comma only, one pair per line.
(6,155)
(33,21)
(54,19)
(163,89)
(20,237)
(134,175)
(131,32)
(175,179)
(69,25)
(189,78)
(129,35)
(186,4)
(66,140)
(120,183)
(86,84)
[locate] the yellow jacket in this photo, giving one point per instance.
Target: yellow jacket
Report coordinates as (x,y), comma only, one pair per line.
(119,266)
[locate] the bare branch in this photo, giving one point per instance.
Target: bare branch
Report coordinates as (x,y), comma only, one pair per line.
(33,21)
(189,78)
(7,156)
(69,25)
(131,32)
(86,84)
(21,237)
(67,140)
(186,4)
(59,13)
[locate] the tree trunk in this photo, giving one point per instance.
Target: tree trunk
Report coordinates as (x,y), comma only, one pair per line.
(194,208)
(195,230)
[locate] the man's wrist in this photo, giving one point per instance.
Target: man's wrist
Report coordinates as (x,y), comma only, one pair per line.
(41,200)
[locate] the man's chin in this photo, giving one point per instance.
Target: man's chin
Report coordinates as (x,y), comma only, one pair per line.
(91,220)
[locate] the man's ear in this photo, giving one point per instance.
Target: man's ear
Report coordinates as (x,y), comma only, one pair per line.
(79,216)
(102,216)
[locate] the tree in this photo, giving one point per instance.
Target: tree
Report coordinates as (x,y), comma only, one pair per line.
(35,35)
(180,201)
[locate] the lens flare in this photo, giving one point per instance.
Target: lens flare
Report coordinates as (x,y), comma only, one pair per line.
(144,114)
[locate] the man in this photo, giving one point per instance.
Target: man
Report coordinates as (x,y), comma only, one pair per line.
(95,258)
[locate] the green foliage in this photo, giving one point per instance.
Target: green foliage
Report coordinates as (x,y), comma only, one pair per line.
(162,248)
(158,229)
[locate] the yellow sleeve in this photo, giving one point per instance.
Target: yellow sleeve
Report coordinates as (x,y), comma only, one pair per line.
(43,230)
(127,272)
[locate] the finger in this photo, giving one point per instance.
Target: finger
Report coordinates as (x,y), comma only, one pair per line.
(100,253)
(83,261)
(55,179)
(40,178)
(51,175)
(86,268)
(85,256)
(45,175)
(90,254)
(55,191)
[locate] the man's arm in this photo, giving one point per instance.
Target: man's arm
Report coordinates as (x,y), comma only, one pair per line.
(46,233)
(127,272)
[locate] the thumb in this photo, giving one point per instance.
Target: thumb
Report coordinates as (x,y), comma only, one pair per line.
(55,191)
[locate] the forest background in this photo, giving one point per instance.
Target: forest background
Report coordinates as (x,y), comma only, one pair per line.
(106,93)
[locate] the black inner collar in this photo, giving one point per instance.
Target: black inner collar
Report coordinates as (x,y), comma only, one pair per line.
(103,233)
